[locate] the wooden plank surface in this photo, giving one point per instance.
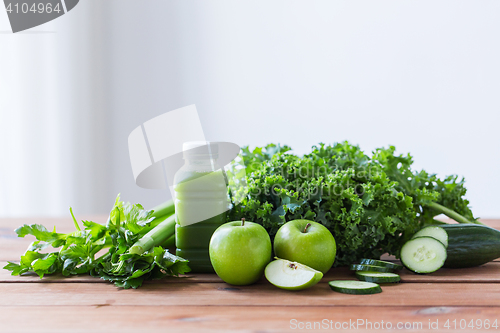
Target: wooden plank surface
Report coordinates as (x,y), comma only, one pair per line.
(488,273)
(202,302)
(152,319)
(218,294)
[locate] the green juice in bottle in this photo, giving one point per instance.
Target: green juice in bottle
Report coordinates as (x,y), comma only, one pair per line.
(201,203)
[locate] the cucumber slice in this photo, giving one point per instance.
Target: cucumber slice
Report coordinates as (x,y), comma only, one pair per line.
(381,263)
(423,254)
(370,268)
(355,287)
(378,277)
(435,232)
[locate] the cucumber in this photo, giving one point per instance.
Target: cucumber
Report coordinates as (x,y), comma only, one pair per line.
(370,268)
(381,263)
(423,254)
(471,245)
(355,287)
(378,277)
(435,232)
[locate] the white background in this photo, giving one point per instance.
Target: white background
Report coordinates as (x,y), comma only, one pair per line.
(421,75)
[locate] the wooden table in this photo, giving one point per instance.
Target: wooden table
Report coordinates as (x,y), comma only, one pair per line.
(203,302)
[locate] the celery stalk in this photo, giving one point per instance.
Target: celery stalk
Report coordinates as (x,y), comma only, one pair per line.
(170,242)
(157,236)
(451,213)
(166,208)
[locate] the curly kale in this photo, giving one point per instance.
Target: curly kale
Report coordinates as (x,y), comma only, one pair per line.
(371,205)
(432,196)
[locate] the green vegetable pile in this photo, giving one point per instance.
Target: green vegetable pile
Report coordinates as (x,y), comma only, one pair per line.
(372,205)
(81,251)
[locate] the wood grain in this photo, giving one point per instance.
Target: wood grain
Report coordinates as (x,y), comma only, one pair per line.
(152,319)
(488,273)
(211,294)
(202,302)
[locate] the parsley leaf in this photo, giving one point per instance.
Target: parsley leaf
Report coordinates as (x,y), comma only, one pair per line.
(80,251)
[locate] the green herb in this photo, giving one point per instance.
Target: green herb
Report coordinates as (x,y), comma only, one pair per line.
(80,250)
(371,205)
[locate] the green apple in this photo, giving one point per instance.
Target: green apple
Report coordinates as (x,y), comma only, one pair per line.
(306,242)
(239,252)
(291,275)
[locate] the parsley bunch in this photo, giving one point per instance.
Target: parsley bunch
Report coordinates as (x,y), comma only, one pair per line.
(100,250)
(372,205)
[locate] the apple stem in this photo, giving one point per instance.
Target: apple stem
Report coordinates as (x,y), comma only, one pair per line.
(307,226)
(242,221)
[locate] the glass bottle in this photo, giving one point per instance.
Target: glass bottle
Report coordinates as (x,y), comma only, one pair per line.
(201,203)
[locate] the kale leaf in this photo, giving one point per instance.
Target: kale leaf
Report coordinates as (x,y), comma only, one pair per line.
(371,205)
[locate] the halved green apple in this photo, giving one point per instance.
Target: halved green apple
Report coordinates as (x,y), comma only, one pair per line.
(291,275)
